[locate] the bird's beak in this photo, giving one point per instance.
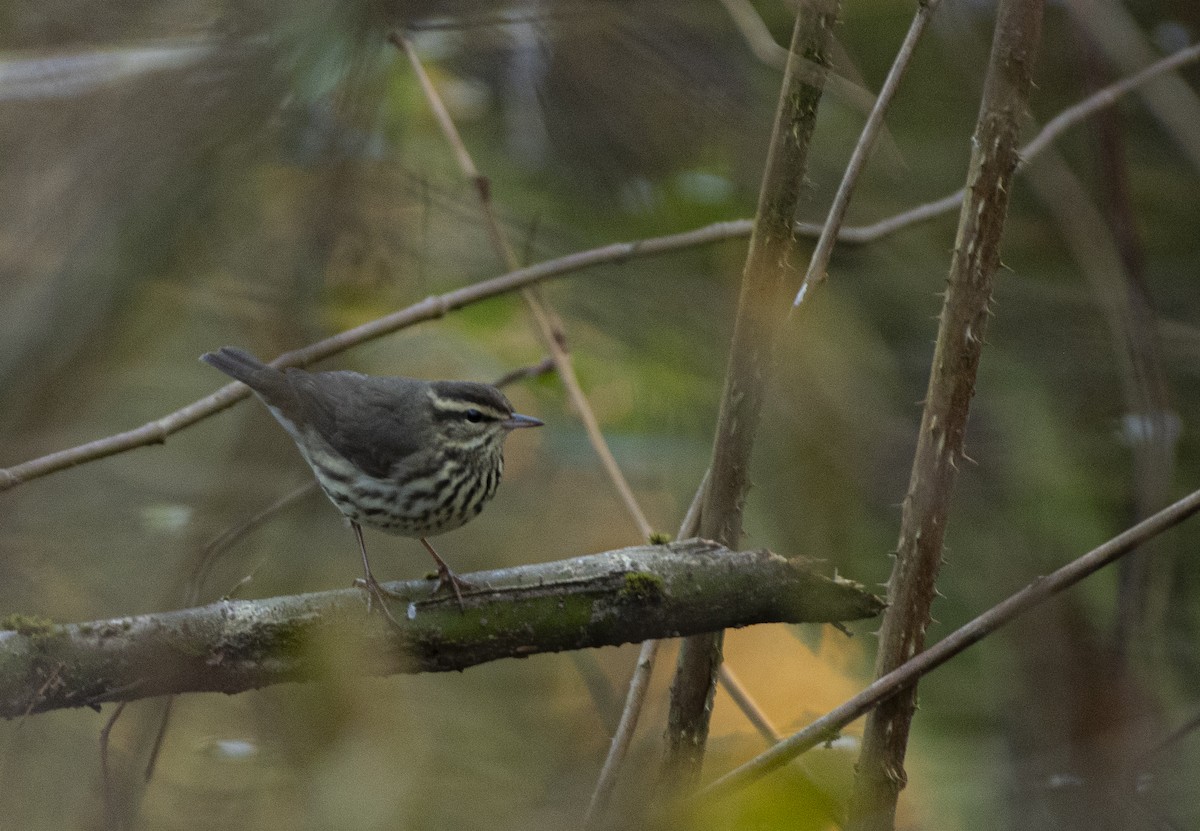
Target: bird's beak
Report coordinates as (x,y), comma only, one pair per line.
(517,420)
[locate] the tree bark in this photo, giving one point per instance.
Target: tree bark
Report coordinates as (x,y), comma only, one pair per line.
(769,281)
(617,597)
(911,589)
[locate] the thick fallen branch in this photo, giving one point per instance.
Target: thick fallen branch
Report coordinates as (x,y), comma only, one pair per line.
(617,597)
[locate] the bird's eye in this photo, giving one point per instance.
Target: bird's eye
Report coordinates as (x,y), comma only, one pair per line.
(474,416)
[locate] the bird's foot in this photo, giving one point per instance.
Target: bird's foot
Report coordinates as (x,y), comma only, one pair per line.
(446,577)
(376,592)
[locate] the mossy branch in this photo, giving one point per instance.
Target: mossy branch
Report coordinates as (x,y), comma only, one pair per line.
(616,597)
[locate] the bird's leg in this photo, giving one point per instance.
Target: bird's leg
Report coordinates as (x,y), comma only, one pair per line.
(446,577)
(374,590)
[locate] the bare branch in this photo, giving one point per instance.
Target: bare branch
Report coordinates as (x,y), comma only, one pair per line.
(758,718)
(768,280)
(1105,97)
(618,749)
(879,774)
(555,339)
(157,431)
(432,308)
(758,37)
(1054,128)
(605,599)
(819,263)
(543,367)
(1172,102)
(1041,589)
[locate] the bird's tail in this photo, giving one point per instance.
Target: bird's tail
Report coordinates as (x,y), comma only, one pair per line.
(239,365)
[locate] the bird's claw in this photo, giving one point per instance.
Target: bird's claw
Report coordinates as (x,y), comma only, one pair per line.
(446,577)
(375,591)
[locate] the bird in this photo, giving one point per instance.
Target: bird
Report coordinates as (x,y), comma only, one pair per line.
(405,456)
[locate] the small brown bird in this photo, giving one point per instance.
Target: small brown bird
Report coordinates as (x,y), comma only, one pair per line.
(409,457)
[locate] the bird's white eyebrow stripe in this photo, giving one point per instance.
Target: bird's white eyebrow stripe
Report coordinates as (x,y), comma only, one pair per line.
(458,406)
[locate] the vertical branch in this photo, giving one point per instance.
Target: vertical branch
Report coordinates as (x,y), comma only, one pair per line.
(961,329)
(768,281)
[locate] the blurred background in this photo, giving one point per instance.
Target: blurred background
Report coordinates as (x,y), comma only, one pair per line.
(179,176)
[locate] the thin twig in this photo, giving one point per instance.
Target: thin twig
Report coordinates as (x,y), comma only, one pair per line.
(551,331)
(552,335)
(106,779)
(635,697)
(432,308)
(543,367)
(863,234)
(160,737)
(1062,122)
(819,263)
(1112,27)
(758,37)
(756,34)
(1105,97)
(230,537)
(555,339)
(749,706)
(207,558)
(1041,589)
(618,749)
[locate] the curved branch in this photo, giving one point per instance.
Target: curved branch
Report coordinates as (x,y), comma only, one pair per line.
(616,597)
(1055,127)
(431,308)
(156,432)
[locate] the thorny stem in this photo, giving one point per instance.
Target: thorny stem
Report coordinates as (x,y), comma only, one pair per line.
(1041,589)
(767,282)
(880,772)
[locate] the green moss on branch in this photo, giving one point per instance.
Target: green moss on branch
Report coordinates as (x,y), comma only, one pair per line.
(605,599)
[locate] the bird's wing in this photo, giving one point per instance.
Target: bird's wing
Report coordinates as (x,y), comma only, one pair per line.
(369,421)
